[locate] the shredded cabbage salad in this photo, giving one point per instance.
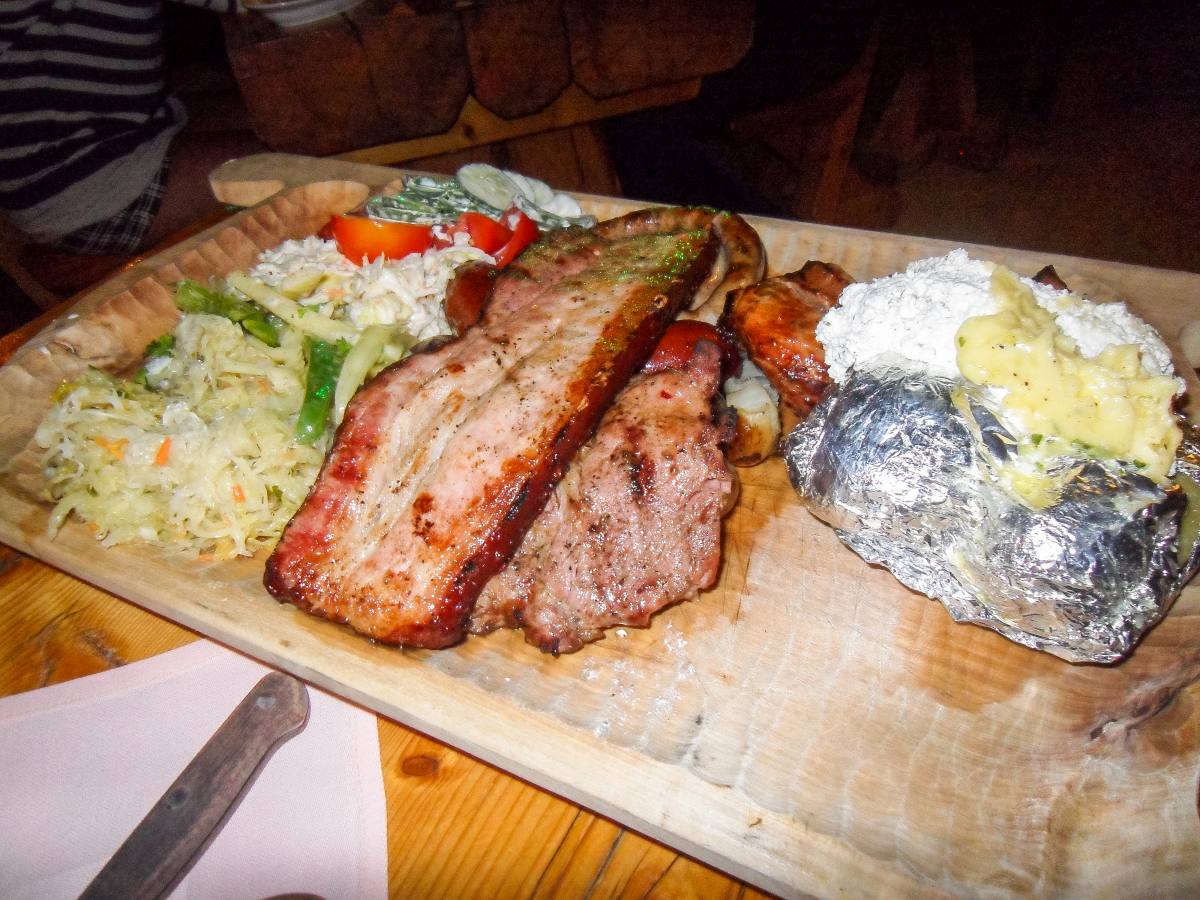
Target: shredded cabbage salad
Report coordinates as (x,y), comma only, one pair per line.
(214,444)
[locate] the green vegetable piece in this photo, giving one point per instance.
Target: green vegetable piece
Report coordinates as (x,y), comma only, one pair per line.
(191,297)
(359,361)
(487,184)
(261,329)
(1189,525)
(160,346)
(324,365)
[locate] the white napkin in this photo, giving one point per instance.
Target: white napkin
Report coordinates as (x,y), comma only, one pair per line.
(82,762)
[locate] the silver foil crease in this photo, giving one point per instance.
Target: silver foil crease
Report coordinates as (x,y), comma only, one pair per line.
(901,466)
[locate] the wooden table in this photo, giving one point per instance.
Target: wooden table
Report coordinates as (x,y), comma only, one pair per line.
(457,827)
(809,724)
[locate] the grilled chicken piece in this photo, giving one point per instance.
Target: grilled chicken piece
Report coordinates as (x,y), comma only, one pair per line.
(444,460)
(776,321)
(635,525)
(826,279)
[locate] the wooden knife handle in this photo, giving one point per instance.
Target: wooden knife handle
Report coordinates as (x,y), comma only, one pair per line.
(163,847)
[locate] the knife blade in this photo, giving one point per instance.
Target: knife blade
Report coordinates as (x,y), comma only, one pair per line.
(178,828)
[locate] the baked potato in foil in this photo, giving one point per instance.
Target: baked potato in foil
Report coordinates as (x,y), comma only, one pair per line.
(906,468)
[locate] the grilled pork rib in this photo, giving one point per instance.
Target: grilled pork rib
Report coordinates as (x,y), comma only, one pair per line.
(444,460)
(634,526)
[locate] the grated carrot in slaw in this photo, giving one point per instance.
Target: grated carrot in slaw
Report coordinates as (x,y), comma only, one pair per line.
(199,454)
(116,448)
(157,471)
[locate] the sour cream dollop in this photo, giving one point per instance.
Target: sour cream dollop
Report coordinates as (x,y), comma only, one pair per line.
(911,319)
(1067,377)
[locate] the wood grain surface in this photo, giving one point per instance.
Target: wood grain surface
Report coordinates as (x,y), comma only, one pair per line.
(372,77)
(457,827)
(353,81)
(617,46)
(519,57)
(809,725)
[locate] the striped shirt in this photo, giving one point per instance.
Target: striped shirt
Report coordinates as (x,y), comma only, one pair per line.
(85,118)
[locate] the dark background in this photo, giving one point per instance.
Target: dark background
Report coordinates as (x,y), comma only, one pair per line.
(1086,138)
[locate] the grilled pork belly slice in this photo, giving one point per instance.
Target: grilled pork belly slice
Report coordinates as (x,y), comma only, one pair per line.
(635,525)
(443,460)
(776,321)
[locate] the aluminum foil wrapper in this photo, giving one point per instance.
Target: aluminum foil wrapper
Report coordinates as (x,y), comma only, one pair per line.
(902,466)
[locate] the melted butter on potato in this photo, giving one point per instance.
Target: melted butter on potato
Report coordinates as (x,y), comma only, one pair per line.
(1107,406)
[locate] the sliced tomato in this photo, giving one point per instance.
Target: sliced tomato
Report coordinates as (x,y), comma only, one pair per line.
(361,238)
(484,232)
(524,232)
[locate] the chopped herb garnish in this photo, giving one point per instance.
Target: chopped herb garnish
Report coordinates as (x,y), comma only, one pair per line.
(160,346)
(156,349)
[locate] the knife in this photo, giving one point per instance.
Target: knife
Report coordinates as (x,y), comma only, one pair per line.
(178,828)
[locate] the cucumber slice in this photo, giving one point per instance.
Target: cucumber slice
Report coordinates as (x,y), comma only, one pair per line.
(427,200)
(540,193)
(532,210)
(396,215)
(427,185)
(409,208)
(487,184)
(563,206)
(549,220)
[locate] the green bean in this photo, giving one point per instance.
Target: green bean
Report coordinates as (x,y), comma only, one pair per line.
(304,319)
(191,297)
(324,364)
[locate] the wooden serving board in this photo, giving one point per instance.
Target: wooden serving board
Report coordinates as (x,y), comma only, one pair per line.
(809,725)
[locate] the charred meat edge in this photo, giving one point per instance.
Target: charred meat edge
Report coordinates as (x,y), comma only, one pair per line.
(293,572)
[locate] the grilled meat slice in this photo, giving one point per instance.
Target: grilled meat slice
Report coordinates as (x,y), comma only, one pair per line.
(635,525)
(443,460)
(741,260)
(776,320)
